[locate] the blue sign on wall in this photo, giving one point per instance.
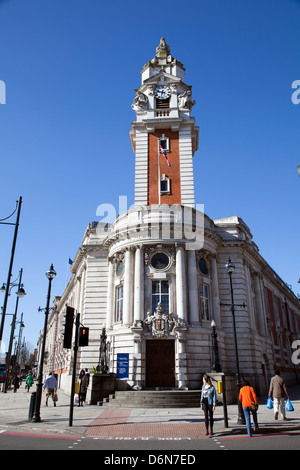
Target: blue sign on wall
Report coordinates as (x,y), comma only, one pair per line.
(122,366)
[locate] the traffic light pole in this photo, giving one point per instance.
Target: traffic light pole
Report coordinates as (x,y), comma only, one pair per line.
(77,322)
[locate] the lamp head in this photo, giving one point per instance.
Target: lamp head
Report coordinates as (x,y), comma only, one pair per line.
(229,266)
(51,273)
(21,292)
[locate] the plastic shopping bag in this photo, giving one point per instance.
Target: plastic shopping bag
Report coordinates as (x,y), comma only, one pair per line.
(288,405)
(270,403)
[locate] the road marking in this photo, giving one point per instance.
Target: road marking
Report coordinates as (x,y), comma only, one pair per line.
(50,436)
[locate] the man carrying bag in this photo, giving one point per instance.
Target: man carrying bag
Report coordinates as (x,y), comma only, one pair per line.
(278,391)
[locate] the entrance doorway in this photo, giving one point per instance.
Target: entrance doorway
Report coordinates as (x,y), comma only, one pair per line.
(160,363)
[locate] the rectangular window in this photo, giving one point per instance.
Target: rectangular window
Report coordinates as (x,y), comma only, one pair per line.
(164,142)
(162,104)
(119,304)
(165,185)
(204,302)
(160,293)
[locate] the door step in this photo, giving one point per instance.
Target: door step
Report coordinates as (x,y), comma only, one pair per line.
(153,399)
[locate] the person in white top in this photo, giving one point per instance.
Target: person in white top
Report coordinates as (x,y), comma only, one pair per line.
(51,386)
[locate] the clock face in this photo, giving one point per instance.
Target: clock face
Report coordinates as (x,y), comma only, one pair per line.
(162,92)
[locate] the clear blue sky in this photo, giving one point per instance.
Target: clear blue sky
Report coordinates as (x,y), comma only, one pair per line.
(70,69)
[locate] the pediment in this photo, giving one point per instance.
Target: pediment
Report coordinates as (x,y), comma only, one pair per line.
(154,79)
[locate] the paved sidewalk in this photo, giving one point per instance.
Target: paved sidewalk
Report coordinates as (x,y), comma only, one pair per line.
(92,420)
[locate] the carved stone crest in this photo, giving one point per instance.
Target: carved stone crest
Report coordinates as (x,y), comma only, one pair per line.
(161,324)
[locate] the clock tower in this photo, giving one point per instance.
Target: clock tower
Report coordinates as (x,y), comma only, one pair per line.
(164,136)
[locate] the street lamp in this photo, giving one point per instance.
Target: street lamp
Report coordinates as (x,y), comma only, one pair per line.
(230,267)
(298,169)
(18,206)
(19,346)
(50,274)
(20,293)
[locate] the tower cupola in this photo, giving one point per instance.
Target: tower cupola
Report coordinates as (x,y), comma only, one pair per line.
(164,136)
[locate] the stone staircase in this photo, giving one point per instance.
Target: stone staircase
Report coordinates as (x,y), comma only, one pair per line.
(153,399)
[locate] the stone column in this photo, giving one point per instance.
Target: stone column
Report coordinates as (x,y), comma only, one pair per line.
(261,325)
(139,285)
(110,294)
(181,358)
(137,357)
(193,288)
(250,296)
(127,306)
(180,284)
(215,292)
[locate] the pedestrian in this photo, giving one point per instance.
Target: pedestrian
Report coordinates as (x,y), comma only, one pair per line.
(248,398)
(29,381)
(16,383)
(87,376)
(278,392)
(208,403)
(51,386)
(83,385)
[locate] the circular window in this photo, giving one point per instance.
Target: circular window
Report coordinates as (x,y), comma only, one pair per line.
(202,266)
(160,261)
(120,268)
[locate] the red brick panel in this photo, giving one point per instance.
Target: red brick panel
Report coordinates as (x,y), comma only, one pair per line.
(172,172)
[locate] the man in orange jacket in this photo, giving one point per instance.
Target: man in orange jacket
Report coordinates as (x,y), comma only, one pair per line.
(249,402)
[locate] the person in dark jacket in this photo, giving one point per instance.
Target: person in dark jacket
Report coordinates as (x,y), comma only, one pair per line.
(16,383)
(83,385)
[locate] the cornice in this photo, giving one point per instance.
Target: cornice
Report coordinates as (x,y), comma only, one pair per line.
(266,269)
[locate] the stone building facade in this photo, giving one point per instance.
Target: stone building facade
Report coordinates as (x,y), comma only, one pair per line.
(155,277)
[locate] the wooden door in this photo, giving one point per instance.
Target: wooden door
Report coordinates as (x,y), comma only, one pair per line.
(160,363)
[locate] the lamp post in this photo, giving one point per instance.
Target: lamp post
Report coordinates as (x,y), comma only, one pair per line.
(50,274)
(230,267)
(18,206)
(20,293)
(19,345)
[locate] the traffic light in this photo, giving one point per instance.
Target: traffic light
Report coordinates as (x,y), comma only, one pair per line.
(83,337)
(68,324)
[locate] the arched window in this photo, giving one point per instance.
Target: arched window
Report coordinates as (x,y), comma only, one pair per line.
(203,266)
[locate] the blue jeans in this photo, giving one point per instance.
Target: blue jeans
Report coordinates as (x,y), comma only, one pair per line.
(247,411)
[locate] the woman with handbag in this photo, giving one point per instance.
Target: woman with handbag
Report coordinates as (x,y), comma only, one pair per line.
(208,403)
(249,402)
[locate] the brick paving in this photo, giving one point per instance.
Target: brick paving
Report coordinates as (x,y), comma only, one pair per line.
(116,423)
